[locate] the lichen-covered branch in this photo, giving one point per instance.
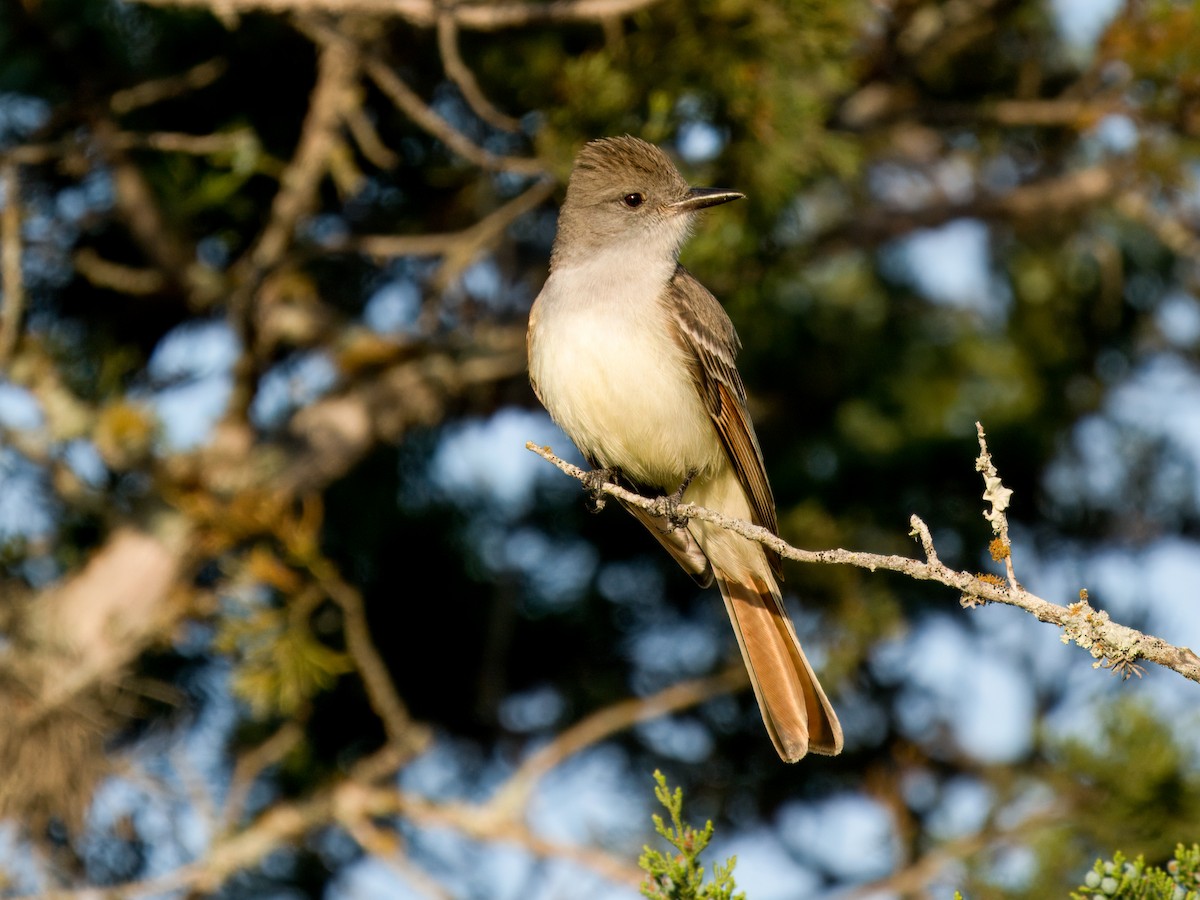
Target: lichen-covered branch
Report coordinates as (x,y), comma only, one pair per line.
(1111,644)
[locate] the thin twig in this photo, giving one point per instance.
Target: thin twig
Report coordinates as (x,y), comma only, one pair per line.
(362,129)
(466,818)
(407,101)
(238,141)
(140,209)
(410,104)
(357,800)
(510,800)
(149,92)
(403,733)
(388,847)
(128,280)
(1038,200)
(997,496)
(297,195)
(350,799)
(913,879)
(251,764)
(1112,645)
(1172,230)
(463,244)
(460,73)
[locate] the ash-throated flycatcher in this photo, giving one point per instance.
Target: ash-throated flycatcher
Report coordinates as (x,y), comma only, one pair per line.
(634,359)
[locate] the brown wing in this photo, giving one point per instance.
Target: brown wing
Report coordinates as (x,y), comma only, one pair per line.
(706,333)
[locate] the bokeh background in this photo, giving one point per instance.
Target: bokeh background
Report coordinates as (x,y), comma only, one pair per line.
(287,610)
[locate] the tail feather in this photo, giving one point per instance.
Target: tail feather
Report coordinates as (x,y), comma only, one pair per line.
(798,715)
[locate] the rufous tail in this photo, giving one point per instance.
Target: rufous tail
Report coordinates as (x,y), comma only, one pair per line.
(794,708)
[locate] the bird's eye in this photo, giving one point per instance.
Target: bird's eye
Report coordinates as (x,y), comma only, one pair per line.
(633,201)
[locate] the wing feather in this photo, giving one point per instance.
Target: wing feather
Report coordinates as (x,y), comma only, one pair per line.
(706,333)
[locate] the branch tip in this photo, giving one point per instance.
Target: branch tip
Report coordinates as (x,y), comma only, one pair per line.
(1114,646)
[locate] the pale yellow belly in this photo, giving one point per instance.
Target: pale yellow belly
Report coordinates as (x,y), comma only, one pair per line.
(621,391)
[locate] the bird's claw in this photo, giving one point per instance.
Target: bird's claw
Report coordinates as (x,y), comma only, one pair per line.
(671,503)
(593,483)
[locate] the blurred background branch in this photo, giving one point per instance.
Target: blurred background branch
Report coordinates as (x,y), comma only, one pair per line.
(10,264)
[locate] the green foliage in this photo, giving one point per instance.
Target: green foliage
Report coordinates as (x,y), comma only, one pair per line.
(1135,786)
(681,876)
(1120,879)
(766,72)
(281,665)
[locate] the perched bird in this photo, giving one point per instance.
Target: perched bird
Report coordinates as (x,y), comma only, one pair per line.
(635,360)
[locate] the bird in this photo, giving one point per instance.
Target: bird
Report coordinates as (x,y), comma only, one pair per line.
(636,361)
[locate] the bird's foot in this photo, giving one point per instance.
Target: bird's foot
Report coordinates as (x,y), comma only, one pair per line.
(671,503)
(594,481)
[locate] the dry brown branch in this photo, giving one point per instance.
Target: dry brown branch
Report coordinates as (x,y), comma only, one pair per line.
(510,800)
(463,245)
(1033,202)
(405,735)
(195,785)
(467,819)
(221,142)
(10,264)
(411,105)
(388,847)
(141,212)
(879,102)
(1181,238)
(368,139)
(1056,196)
(224,142)
(251,764)
(1078,114)
(407,101)
(363,796)
(113,276)
(358,801)
(332,95)
(1112,645)
(331,435)
(476,16)
(1052,112)
(460,73)
(352,800)
(404,385)
(37,154)
(150,92)
(913,879)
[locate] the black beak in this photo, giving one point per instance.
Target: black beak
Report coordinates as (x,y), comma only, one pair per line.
(701,198)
